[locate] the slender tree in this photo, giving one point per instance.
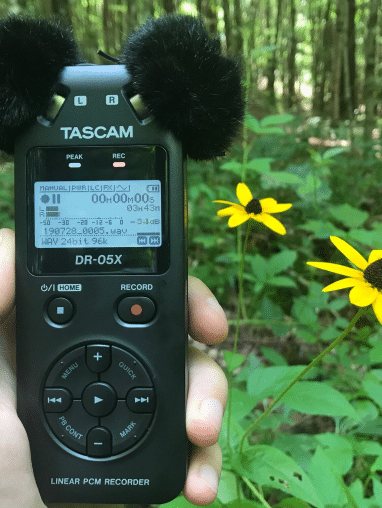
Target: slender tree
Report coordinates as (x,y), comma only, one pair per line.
(370,69)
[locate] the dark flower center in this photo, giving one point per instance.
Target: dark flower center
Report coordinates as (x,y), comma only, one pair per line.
(373,274)
(254,206)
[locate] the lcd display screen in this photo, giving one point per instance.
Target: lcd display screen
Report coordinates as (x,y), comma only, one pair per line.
(92,214)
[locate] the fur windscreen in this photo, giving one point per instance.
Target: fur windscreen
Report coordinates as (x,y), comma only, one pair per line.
(32,53)
(188,85)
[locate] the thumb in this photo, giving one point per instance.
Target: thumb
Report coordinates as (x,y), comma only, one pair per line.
(7,272)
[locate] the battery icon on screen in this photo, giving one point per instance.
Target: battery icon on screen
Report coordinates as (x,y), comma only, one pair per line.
(119,164)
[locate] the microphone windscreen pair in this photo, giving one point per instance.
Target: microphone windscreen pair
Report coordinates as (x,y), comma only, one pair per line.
(178,70)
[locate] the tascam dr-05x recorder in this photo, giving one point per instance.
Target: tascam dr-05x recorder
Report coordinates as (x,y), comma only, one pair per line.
(101,295)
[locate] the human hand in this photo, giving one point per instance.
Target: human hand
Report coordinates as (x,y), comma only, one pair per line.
(205,405)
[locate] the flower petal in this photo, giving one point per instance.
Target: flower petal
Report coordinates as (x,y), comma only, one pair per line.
(350,252)
(244,194)
(230,210)
(225,202)
(270,205)
(363,295)
(377,307)
(342,284)
(374,256)
(340,269)
(237,219)
(270,222)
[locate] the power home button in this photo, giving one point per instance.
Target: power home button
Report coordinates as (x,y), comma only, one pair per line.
(136,309)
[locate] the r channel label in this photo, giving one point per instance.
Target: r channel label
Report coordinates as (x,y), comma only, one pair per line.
(69,287)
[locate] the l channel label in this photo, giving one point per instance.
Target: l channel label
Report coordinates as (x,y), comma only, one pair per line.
(69,287)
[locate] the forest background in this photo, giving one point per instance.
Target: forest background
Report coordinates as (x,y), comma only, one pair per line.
(312,71)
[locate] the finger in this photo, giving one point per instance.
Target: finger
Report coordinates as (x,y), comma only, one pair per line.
(203,475)
(7,318)
(7,272)
(207,397)
(207,321)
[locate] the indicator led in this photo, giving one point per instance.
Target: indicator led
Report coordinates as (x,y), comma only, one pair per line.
(74,164)
(119,164)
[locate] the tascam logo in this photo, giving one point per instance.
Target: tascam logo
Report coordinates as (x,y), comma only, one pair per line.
(99,132)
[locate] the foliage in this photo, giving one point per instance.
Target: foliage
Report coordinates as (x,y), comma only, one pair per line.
(321,446)
(6,195)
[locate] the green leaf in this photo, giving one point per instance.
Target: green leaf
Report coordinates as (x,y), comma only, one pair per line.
(332,152)
(233,166)
(268,466)
(280,178)
(227,487)
(233,360)
(281,261)
(373,388)
(252,123)
(377,465)
(375,353)
(313,397)
(292,502)
(281,281)
(326,479)
(349,215)
(276,119)
(321,229)
(270,381)
(181,502)
(260,164)
(338,449)
(273,356)
(244,503)
(241,404)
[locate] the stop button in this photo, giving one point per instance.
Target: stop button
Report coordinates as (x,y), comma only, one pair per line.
(136,309)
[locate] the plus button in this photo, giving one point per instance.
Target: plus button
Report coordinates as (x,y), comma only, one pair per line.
(98,357)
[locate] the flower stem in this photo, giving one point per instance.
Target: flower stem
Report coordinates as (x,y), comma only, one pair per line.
(256,492)
(339,339)
(237,330)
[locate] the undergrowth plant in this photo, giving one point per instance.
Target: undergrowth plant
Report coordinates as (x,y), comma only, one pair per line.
(303,425)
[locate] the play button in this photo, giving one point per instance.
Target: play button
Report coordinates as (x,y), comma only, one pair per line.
(99,399)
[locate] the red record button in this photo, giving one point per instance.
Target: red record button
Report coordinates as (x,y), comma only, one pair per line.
(136,309)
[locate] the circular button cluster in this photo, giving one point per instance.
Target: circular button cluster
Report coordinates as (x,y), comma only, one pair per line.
(99,400)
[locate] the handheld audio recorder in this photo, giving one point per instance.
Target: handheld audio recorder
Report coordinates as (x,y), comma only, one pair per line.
(101,295)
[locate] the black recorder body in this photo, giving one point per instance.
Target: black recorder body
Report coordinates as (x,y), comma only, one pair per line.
(101,297)
(101,247)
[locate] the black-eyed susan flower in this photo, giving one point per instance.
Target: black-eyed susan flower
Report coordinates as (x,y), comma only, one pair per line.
(366,283)
(251,208)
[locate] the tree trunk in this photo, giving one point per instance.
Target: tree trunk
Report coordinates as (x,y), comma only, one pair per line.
(338,58)
(370,74)
(238,32)
(169,6)
(207,10)
(292,57)
(228,27)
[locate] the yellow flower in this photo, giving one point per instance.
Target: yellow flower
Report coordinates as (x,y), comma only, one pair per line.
(366,282)
(251,208)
